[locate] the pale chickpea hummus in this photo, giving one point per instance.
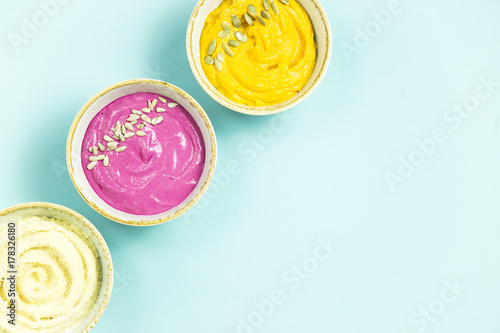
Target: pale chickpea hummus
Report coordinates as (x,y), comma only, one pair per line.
(59,275)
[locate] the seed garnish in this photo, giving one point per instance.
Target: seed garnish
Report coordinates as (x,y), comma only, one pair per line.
(241,37)
(129,135)
(252,10)
(162,109)
(141,126)
(224,33)
(101,146)
(208,60)
(285,2)
(95,151)
(129,127)
(105,162)
(133,117)
(159,119)
(100,157)
(163,100)
(221,56)
(233,43)
(120,149)
(93,158)
(275,8)
(227,49)
(261,20)
(108,138)
(218,65)
(136,112)
(211,49)
(91,165)
(226,26)
(172,105)
(266,5)
(265,14)
(124,129)
(249,19)
(146,119)
(146,110)
(236,21)
(140,133)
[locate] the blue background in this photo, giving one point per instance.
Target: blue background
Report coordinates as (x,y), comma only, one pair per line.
(322,174)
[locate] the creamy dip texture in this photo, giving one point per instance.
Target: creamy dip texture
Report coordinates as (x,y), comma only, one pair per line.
(264,51)
(156,161)
(59,275)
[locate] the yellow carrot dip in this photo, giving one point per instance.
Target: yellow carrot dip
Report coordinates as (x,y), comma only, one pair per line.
(264,51)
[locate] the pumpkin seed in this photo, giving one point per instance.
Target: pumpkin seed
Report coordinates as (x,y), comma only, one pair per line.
(172,105)
(236,21)
(266,5)
(105,162)
(275,8)
(265,15)
(221,56)
(140,133)
(227,49)
(224,33)
(91,165)
(226,26)
(233,43)
(211,49)
(218,65)
(249,19)
(261,20)
(285,2)
(241,37)
(208,60)
(252,10)
(163,100)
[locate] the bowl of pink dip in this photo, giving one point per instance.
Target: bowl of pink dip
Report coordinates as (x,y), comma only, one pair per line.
(141,152)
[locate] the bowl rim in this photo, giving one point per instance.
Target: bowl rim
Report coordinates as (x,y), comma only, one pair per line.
(258,110)
(101,244)
(177,213)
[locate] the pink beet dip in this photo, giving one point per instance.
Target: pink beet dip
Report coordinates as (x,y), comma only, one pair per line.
(160,166)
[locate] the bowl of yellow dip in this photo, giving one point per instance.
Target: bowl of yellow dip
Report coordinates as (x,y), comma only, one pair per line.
(259,57)
(56,273)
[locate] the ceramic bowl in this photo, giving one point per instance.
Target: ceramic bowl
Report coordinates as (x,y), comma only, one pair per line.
(66,214)
(102,99)
(323,38)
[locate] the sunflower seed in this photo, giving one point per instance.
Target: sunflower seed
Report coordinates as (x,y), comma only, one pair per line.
(133,122)
(236,21)
(91,149)
(261,20)
(108,138)
(218,65)
(141,126)
(101,146)
(95,151)
(111,148)
(266,5)
(122,137)
(133,117)
(124,129)
(117,126)
(100,157)
(285,2)
(150,105)
(233,43)
(140,133)
(172,105)
(136,112)
(129,135)
(224,33)
(241,37)
(120,149)
(129,127)
(208,60)
(153,121)
(117,134)
(275,8)
(105,162)
(226,26)
(93,158)
(163,100)
(116,137)
(249,19)
(265,14)
(162,109)
(227,49)
(91,165)
(112,144)
(221,56)
(211,49)
(252,10)
(146,110)
(159,119)
(146,118)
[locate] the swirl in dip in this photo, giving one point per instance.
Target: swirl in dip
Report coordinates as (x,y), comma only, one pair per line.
(270,62)
(156,162)
(59,275)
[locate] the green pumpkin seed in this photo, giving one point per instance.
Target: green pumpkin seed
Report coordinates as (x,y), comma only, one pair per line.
(265,15)
(218,65)
(275,9)
(228,50)
(233,43)
(266,5)
(252,10)
(209,60)
(236,21)
(211,47)
(285,2)
(226,26)
(224,33)
(249,19)
(221,56)
(261,20)
(241,37)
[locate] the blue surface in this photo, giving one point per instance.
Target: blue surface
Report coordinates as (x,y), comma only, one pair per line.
(321,175)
